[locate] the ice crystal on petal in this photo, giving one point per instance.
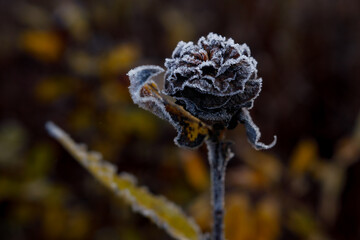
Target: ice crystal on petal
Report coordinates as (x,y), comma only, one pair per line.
(212,79)
(214,83)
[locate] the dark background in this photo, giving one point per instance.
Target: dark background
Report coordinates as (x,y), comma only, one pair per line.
(66,61)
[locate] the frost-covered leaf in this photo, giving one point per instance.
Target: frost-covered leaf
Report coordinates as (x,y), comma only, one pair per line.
(252,131)
(191,131)
(164,213)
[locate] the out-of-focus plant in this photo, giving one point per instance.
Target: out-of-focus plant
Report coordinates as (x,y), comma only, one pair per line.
(157,208)
(214,83)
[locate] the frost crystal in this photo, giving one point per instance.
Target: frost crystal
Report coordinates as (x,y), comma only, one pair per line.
(191,131)
(212,79)
(214,83)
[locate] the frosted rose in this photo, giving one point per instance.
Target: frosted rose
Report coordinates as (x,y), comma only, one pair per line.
(213,79)
(214,83)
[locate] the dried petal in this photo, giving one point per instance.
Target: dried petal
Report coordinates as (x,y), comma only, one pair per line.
(252,131)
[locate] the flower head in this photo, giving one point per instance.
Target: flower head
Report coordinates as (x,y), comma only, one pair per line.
(212,79)
(214,83)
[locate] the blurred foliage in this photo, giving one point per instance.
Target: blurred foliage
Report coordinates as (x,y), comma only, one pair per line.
(66,61)
(244,219)
(43,45)
(162,212)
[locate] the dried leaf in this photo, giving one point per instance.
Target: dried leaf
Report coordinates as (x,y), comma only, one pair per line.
(195,170)
(304,156)
(303,223)
(267,168)
(268,219)
(50,89)
(239,220)
(44,45)
(200,210)
(164,213)
(119,59)
(191,131)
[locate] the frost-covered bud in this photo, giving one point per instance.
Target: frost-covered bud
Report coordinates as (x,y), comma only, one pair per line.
(213,79)
(215,82)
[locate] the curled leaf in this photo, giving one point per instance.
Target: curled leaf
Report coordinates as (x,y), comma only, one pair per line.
(191,131)
(252,131)
(163,212)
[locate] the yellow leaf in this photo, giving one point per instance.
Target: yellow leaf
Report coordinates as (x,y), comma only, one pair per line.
(200,210)
(265,169)
(195,170)
(248,178)
(267,219)
(303,157)
(54,214)
(52,88)
(114,92)
(239,220)
(54,223)
(83,63)
(118,124)
(43,45)
(39,161)
(82,117)
(78,224)
(164,213)
(243,221)
(119,59)
(192,132)
(303,223)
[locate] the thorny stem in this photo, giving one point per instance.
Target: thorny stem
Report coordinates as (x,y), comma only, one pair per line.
(219,154)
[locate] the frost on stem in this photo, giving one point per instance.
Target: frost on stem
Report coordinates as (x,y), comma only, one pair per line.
(191,131)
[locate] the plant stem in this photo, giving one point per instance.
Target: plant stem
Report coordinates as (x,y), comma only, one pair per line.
(218,156)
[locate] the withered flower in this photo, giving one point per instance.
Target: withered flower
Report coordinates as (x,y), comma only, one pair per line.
(214,83)
(212,79)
